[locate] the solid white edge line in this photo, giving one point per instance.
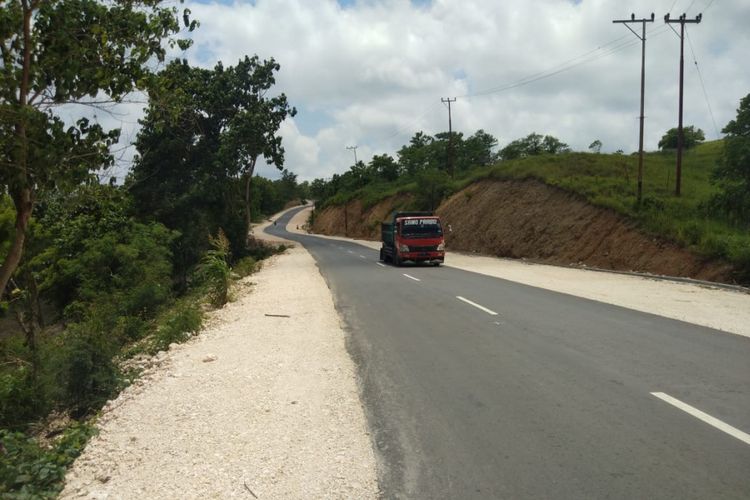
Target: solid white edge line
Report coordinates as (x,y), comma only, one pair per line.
(411,277)
(488,311)
(713,421)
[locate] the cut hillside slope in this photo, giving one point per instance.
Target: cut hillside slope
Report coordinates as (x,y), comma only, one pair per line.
(527,219)
(356,222)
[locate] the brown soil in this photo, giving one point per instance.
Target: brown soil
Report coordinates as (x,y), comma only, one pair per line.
(357,223)
(531,220)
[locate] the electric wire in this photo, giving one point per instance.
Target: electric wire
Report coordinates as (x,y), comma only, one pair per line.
(703,86)
(566,66)
(604,50)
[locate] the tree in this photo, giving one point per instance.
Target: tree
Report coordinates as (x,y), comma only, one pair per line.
(477,150)
(415,157)
(252,130)
(385,167)
(63,52)
(596,146)
(691,137)
(288,189)
(432,186)
(198,146)
(319,189)
(533,144)
(732,173)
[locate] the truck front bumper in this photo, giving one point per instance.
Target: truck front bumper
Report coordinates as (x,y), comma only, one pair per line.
(431,257)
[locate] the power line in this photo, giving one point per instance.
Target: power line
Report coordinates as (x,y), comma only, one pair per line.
(566,66)
(703,86)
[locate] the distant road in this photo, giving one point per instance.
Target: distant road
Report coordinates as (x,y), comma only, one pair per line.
(477,387)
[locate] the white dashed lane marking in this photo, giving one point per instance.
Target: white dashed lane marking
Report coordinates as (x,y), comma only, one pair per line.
(488,311)
(713,421)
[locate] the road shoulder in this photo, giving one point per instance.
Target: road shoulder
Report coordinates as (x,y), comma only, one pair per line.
(264,403)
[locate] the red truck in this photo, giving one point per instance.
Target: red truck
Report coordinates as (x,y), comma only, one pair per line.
(412,236)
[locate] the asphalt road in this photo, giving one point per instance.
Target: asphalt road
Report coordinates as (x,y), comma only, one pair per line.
(477,387)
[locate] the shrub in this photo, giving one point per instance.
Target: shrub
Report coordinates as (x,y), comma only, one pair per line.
(214,271)
(176,325)
(90,374)
(245,266)
(28,470)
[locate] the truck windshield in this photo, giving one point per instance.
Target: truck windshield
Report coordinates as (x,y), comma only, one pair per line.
(421,228)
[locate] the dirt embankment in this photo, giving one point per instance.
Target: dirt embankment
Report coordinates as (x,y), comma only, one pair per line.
(531,220)
(355,222)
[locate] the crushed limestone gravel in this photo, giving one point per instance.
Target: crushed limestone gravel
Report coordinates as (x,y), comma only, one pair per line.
(263,404)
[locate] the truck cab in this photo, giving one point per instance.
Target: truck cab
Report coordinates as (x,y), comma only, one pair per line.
(413,236)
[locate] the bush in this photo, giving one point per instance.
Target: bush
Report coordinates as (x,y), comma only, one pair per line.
(25,394)
(88,370)
(20,400)
(28,470)
(214,272)
(245,266)
(176,325)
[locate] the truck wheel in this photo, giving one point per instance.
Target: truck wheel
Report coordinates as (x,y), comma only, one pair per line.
(396,260)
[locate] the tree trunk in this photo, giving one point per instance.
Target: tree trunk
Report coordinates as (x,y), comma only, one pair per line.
(21,192)
(24,204)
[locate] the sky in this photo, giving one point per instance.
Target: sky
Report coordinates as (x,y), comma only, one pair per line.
(371,73)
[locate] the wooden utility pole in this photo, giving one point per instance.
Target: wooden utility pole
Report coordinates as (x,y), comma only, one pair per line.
(354,148)
(680,135)
(643,87)
(346,203)
(450,135)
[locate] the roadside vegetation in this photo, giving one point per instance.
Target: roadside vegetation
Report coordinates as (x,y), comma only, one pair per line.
(97,273)
(711,217)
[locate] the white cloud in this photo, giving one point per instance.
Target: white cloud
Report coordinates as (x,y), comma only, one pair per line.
(373,73)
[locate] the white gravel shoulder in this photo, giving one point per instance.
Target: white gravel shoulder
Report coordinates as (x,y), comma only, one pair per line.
(715,307)
(256,406)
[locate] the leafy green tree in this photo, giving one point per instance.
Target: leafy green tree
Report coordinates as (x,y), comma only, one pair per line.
(287,186)
(95,254)
(385,167)
(252,130)
(415,157)
(732,174)
(203,132)
(691,137)
(533,144)
(319,189)
(596,146)
(477,150)
(432,186)
(265,196)
(62,52)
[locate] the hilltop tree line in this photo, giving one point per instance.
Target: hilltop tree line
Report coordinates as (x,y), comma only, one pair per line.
(431,161)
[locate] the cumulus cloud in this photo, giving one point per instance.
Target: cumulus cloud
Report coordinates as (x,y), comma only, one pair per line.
(371,73)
